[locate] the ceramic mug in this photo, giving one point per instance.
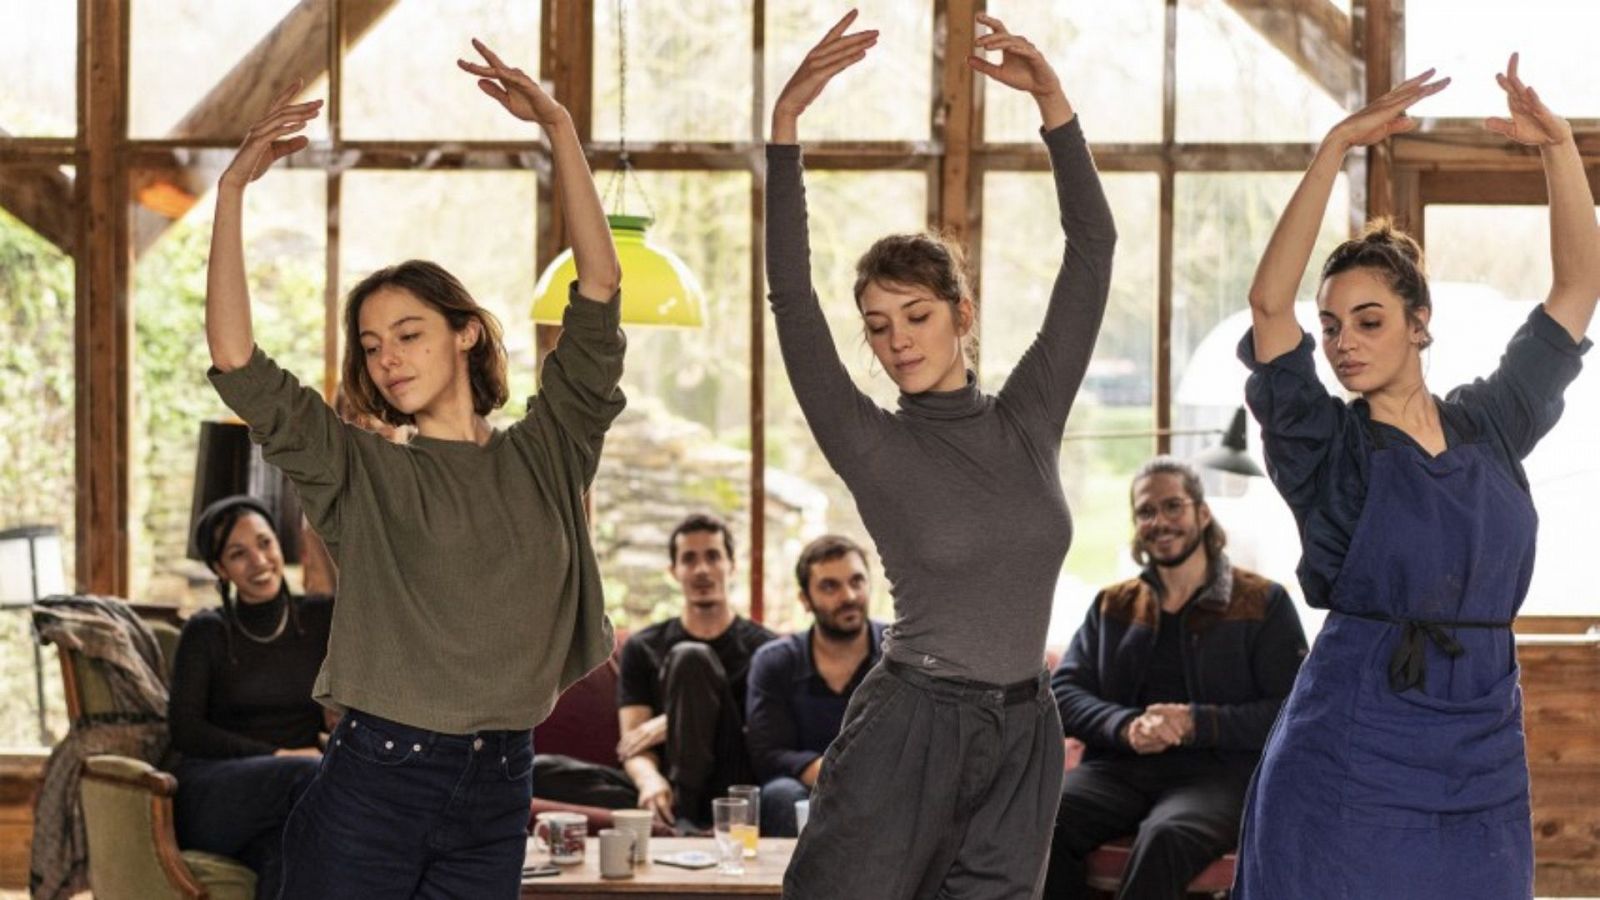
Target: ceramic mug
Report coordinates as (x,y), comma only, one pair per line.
(638,821)
(561,834)
(616,853)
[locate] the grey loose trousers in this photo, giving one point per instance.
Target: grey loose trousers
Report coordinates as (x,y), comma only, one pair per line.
(933,789)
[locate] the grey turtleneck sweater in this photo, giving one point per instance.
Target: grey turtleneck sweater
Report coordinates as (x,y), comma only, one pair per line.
(960,489)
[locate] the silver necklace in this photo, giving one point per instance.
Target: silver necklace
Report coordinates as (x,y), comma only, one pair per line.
(283,622)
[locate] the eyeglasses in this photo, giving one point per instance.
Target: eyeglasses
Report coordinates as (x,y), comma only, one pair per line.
(1170,508)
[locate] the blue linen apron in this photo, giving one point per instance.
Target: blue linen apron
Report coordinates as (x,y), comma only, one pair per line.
(1397,768)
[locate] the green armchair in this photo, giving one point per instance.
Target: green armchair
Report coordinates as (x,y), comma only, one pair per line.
(133,851)
(127,806)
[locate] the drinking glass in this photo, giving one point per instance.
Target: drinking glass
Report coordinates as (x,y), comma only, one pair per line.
(750,831)
(726,812)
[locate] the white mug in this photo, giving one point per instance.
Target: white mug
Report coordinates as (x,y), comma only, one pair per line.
(639,822)
(616,853)
(563,836)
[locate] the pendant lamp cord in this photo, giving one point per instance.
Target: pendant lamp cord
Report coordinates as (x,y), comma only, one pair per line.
(615,196)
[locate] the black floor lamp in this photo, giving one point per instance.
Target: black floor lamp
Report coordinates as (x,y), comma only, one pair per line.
(227,462)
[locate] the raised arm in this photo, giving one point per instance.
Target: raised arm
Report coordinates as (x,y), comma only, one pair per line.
(1046,379)
(599,272)
(228,331)
(1284,262)
(838,413)
(1574,235)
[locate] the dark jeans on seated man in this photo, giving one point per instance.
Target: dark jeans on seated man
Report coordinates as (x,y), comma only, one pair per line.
(237,807)
(1181,807)
(705,750)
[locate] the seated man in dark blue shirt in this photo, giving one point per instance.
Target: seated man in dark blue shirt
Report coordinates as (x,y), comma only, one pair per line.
(800,685)
(1172,684)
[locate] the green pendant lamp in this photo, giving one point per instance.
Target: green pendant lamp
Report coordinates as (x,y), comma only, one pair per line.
(657,287)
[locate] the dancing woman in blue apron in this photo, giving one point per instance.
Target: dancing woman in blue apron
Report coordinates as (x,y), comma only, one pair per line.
(1397,767)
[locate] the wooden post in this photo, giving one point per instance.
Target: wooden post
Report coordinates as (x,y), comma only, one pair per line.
(1378,55)
(103,322)
(758,331)
(957,125)
(1164,233)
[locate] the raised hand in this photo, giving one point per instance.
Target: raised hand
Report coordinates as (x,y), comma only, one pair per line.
(1021,64)
(269,139)
(1386,116)
(518,93)
(836,52)
(1531,121)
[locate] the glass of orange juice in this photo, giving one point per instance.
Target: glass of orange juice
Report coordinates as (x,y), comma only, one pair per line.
(748,831)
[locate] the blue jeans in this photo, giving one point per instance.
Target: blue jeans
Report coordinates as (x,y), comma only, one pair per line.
(778,797)
(237,807)
(398,811)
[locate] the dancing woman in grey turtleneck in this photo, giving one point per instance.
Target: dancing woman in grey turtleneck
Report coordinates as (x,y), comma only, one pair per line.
(946,773)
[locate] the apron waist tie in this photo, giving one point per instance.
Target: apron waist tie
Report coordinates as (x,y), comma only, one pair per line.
(1408,665)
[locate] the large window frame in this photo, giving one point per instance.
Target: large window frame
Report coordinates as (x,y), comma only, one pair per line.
(1441,167)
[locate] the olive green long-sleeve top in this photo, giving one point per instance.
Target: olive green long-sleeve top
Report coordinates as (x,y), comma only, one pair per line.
(469,594)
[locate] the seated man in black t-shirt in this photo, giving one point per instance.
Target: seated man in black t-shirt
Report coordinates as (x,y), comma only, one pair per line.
(1172,684)
(682,690)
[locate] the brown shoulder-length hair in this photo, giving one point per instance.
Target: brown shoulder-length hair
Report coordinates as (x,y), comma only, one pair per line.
(430,283)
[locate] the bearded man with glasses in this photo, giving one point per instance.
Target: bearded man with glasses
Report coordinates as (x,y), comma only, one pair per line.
(1172,684)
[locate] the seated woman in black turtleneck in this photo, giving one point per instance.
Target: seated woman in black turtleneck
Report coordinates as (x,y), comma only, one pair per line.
(241,714)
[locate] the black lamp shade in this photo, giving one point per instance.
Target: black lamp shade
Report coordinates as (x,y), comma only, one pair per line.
(227,463)
(1231,455)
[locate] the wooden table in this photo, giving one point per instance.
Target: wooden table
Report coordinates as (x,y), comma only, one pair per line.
(763,876)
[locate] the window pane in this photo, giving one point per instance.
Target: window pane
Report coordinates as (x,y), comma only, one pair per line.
(38,65)
(1555,38)
(284,256)
(401,81)
(1109,57)
(848,212)
(688,70)
(1488,266)
(1222,223)
(1235,86)
(886,97)
(183,49)
(683,443)
(36,452)
(478,225)
(1021,255)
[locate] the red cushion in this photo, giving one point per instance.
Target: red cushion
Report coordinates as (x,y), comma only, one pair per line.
(584,723)
(1107,862)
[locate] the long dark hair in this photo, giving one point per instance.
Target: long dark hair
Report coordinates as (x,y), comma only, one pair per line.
(211,532)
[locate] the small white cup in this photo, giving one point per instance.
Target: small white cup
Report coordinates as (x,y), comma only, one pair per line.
(802,812)
(639,822)
(616,853)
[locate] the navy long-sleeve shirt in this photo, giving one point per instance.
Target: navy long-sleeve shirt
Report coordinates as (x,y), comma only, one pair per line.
(791,714)
(1317,445)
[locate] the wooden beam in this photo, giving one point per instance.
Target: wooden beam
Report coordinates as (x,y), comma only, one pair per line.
(955,124)
(103,322)
(41,197)
(297,47)
(1313,34)
(1165,225)
(1377,48)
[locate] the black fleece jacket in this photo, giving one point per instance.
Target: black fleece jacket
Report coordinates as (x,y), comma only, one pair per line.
(1242,646)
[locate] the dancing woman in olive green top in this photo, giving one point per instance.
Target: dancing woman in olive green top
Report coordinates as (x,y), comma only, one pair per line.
(469,593)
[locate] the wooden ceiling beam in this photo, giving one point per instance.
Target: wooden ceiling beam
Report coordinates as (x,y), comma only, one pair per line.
(1313,34)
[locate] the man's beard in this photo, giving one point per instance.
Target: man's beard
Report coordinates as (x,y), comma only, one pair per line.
(834,633)
(1183,555)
